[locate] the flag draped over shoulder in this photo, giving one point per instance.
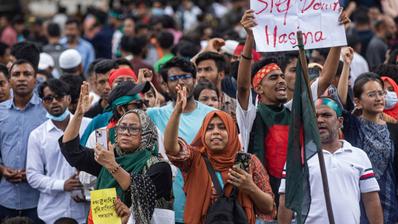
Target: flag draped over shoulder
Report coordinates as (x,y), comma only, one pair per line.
(302,145)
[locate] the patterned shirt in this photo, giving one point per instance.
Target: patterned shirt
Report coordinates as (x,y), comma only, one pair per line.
(184,158)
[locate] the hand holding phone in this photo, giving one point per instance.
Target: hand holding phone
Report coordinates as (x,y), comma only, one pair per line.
(101,138)
(242,161)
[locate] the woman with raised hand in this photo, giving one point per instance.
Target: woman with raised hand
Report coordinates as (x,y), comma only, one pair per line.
(132,165)
(370,132)
(217,144)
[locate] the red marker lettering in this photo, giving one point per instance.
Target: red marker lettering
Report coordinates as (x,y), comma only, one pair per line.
(285,10)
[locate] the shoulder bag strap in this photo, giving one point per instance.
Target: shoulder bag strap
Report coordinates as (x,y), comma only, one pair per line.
(213,176)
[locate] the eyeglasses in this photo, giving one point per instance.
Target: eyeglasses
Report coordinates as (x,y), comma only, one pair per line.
(50,98)
(379,93)
(173,78)
(130,129)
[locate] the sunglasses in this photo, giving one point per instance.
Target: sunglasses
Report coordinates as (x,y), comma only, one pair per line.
(178,77)
(50,98)
(129,129)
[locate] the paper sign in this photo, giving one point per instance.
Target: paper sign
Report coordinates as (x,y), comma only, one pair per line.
(103,207)
(279,20)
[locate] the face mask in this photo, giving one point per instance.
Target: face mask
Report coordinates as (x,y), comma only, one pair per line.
(391,100)
(61,117)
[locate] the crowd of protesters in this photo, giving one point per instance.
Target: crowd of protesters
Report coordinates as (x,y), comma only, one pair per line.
(179,92)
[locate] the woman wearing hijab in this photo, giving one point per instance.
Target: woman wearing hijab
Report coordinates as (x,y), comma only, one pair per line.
(132,165)
(218,140)
(391,104)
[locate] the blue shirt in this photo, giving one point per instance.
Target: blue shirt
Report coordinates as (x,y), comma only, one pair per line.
(190,124)
(15,127)
(85,49)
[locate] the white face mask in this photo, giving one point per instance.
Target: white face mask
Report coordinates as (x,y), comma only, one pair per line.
(391,100)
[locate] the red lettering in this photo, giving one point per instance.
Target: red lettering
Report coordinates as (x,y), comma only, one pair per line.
(309,6)
(292,38)
(317,6)
(305,37)
(283,10)
(275,33)
(319,36)
(336,5)
(283,38)
(266,6)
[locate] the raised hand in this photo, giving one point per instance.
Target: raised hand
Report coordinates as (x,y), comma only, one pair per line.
(348,54)
(181,102)
(214,45)
(248,22)
(145,75)
(85,100)
(343,19)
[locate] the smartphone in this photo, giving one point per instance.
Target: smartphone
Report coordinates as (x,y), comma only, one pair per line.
(242,161)
(101,137)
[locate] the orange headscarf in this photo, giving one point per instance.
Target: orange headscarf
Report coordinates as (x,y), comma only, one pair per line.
(198,182)
(393,112)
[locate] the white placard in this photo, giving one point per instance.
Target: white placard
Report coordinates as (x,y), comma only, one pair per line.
(279,20)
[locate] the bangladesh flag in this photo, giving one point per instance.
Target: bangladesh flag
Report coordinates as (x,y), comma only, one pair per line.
(302,145)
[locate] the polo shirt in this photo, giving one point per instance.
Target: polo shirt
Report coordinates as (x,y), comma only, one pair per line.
(349,173)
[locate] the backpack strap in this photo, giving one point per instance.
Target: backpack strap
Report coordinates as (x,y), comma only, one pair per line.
(213,176)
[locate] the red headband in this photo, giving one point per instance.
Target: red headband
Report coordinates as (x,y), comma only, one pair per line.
(121,72)
(264,71)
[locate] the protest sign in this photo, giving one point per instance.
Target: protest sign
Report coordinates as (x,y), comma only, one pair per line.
(103,208)
(279,20)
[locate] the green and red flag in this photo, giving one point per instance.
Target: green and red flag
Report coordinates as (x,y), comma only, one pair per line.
(303,143)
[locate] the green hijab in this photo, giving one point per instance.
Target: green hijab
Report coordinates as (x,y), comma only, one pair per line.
(132,162)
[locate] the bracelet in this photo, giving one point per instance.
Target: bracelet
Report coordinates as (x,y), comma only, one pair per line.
(245,57)
(115,169)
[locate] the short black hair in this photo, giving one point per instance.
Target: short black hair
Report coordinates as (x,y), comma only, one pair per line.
(57,86)
(20,62)
(135,44)
(218,59)
(389,70)
(72,20)
(104,66)
(286,58)
(4,70)
(123,61)
(28,51)
(363,79)
(393,57)
(65,220)
(186,49)
(91,67)
(361,16)
(53,30)
(74,82)
(263,62)
(165,40)
(3,48)
(202,85)
(140,26)
(178,62)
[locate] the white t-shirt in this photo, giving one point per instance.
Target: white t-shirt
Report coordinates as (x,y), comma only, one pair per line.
(349,173)
(245,118)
